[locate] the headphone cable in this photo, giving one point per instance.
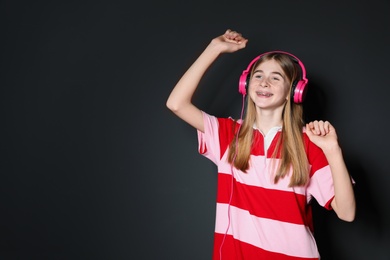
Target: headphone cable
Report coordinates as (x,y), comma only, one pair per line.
(232,178)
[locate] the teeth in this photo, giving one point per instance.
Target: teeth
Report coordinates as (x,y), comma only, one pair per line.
(264,94)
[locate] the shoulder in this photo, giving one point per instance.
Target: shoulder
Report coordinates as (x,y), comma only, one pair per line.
(222,122)
(315,155)
(309,144)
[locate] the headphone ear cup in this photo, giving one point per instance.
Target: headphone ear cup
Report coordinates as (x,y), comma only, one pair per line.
(243,82)
(298,91)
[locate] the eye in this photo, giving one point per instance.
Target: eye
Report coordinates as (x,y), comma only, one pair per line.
(276,77)
(257,76)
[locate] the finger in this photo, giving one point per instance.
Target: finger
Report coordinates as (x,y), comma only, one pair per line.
(311,129)
(234,36)
(322,127)
(316,127)
(232,33)
(327,127)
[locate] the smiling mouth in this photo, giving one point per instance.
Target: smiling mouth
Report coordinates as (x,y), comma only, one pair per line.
(264,94)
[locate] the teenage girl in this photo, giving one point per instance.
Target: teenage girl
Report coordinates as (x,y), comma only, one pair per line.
(270,163)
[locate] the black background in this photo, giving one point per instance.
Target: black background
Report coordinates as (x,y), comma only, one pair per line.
(94,166)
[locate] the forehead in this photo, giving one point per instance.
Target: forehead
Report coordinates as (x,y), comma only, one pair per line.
(269,66)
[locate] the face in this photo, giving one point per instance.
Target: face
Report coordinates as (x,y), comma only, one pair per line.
(269,87)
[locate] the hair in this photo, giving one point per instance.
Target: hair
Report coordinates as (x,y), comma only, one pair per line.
(290,146)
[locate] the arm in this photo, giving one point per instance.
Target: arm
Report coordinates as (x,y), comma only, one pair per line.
(179,101)
(323,134)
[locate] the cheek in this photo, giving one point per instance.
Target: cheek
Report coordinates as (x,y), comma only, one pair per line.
(251,82)
(286,87)
(251,87)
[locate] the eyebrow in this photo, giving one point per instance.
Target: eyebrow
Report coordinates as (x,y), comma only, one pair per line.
(274,72)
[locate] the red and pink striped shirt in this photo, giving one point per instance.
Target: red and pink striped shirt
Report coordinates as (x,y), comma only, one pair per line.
(259,219)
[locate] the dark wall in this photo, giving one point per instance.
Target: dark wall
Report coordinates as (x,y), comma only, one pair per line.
(93,165)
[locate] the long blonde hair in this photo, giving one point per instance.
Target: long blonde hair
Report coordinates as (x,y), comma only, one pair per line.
(291,144)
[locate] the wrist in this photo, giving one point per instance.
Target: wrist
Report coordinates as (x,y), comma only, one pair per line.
(214,48)
(332,149)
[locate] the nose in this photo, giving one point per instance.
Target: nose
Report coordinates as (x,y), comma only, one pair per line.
(263,82)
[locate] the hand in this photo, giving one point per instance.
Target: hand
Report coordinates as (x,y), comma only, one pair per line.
(322,134)
(230,41)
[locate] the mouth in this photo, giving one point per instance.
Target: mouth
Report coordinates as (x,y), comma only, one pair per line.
(264,94)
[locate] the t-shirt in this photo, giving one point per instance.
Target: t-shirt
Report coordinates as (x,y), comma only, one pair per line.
(256,218)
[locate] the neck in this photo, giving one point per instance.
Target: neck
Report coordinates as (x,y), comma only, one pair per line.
(265,120)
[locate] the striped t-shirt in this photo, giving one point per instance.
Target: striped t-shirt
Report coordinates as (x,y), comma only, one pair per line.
(259,219)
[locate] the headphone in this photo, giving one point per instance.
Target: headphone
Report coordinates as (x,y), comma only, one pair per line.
(298,90)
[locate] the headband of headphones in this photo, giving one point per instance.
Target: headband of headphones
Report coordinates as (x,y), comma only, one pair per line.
(298,90)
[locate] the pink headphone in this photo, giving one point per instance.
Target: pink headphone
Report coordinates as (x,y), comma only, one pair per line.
(299,89)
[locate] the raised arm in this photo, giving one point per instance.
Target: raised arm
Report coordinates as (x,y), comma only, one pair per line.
(180,99)
(323,134)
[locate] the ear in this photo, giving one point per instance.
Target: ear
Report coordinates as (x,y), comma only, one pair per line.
(288,95)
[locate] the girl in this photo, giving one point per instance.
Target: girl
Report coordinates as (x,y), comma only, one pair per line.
(270,165)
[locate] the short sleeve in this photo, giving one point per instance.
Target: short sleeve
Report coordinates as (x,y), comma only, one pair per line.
(321,187)
(321,181)
(208,142)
